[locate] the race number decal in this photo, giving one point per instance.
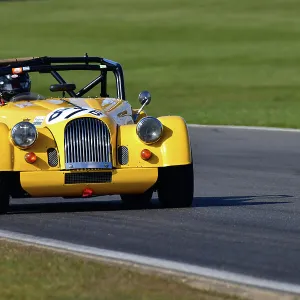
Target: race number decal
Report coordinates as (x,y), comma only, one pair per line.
(63,114)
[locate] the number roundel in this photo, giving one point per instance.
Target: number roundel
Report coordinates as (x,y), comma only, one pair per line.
(63,114)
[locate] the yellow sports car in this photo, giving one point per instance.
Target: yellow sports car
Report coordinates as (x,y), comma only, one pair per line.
(76,146)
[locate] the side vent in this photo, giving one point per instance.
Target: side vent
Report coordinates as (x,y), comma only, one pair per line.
(123,155)
(52,157)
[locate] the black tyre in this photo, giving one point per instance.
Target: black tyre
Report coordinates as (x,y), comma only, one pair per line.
(4,194)
(176,186)
(137,200)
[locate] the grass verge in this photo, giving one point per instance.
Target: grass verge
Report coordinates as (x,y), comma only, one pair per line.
(28,272)
(210,61)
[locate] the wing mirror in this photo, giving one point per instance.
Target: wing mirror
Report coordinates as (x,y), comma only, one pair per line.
(145,99)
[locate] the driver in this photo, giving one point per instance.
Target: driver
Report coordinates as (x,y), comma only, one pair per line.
(11,85)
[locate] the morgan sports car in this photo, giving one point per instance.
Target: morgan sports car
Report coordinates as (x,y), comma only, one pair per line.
(73,146)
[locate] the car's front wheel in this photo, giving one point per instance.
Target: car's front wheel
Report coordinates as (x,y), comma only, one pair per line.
(137,200)
(4,194)
(176,185)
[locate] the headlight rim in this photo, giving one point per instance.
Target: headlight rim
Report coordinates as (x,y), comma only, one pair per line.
(143,120)
(12,137)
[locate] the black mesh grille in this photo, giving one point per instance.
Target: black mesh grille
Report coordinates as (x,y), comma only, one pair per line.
(88,177)
(123,156)
(52,157)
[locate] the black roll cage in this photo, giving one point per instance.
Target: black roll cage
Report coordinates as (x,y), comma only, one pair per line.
(52,65)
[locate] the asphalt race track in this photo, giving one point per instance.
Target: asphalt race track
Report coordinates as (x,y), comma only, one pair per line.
(245,217)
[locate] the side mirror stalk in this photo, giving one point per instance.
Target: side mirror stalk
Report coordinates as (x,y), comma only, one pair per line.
(144,99)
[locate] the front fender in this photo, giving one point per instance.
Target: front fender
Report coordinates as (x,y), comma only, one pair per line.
(6,149)
(12,158)
(44,141)
(175,146)
(171,150)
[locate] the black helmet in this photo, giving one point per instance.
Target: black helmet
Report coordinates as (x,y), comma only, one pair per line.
(11,85)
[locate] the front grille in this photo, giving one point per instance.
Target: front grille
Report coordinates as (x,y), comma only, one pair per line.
(87,144)
(52,157)
(123,155)
(88,177)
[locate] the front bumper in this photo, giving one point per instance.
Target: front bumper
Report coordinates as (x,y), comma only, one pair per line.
(73,183)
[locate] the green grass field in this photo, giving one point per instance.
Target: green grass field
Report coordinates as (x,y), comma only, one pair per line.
(30,273)
(210,61)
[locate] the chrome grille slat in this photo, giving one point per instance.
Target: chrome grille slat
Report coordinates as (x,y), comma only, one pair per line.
(77,133)
(79,142)
(106,145)
(85,147)
(98,142)
(102,143)
(93,142)
(91,139)
(87,144)
(75,143)
(72,155)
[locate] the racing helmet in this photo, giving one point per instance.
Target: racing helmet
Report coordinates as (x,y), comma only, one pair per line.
(11,85)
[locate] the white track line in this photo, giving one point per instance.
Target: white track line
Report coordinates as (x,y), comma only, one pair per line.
(154,262)
(245,127)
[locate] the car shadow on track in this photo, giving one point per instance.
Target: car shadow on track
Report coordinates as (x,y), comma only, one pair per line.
(76,206)
(240,200)
(116,205)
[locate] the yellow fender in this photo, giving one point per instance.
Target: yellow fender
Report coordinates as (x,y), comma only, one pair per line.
(6,149)
(12,158)
(175,145)
(171,150)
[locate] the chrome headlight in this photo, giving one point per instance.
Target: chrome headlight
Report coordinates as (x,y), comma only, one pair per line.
(149,130)
(24,134)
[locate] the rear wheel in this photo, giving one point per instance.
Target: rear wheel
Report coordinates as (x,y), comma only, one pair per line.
(138,200)
(176,185)
(4,193)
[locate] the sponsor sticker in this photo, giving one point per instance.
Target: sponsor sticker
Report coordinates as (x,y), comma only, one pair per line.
(24,104)
(108,103)
(55,101)
(38,120)
(121,114)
